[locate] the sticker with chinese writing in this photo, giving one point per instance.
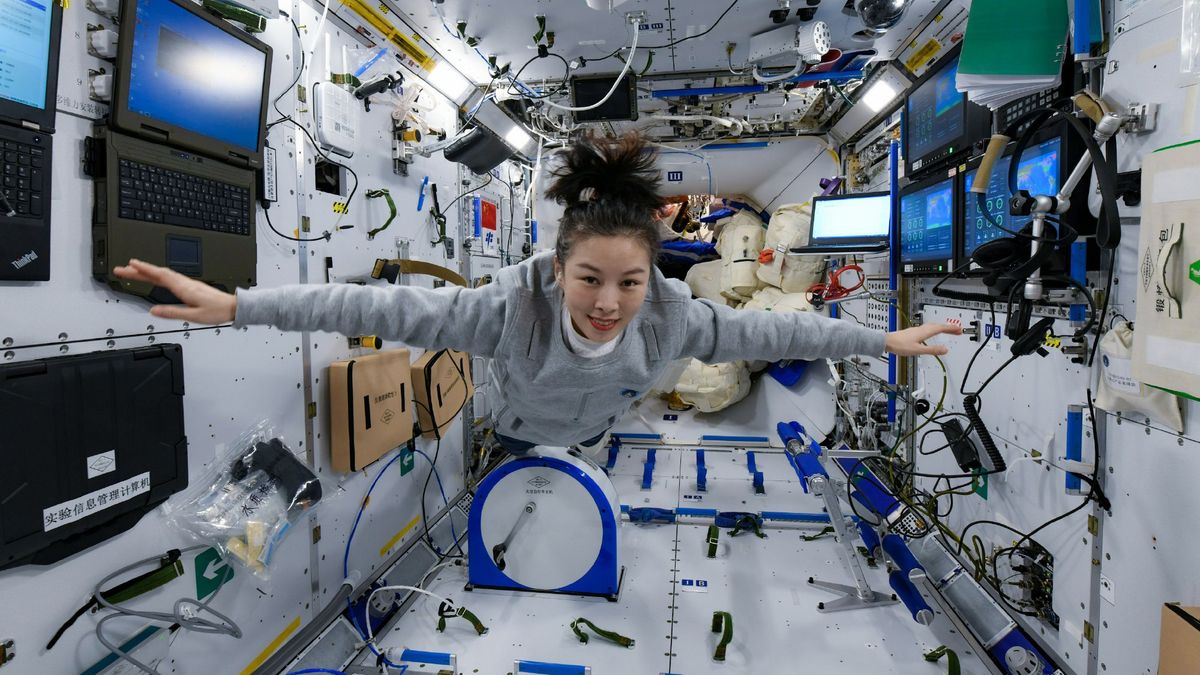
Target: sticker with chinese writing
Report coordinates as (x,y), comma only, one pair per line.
(81,507)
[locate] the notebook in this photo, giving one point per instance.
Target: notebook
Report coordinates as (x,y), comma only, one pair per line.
(856,223)
(175,169)
(29,47)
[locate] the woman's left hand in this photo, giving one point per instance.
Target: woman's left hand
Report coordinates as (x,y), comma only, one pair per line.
(911,341)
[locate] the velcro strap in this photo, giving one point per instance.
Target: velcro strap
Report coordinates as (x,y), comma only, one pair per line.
(609,635)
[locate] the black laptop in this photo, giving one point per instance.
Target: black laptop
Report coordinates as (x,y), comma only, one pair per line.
(847,224)
(174,168)
(29,46)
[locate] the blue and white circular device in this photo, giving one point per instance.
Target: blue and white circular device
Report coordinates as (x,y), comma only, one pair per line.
(546,522)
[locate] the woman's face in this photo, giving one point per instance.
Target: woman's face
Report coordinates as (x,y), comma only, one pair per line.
(604,284)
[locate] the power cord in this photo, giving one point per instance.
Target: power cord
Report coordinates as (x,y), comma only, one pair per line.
(185,612)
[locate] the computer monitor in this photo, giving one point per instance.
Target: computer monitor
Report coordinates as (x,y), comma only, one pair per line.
(927,234)
(188,79)
(863,218)
(29,48)
(1040,172)
(621,106)
(939,122)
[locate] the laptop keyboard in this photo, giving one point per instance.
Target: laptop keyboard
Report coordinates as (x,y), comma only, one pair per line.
(24,177)
(156,195)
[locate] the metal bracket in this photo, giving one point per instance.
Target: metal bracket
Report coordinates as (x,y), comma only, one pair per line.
(1141,118)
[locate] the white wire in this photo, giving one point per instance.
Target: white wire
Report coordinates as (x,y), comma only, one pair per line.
(188,619)
(628,62)
(779,78)
(435,596)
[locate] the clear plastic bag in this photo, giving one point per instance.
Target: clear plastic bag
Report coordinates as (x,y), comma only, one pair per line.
(248,500)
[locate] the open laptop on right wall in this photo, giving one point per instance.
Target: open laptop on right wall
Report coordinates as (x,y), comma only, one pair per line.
(848,224)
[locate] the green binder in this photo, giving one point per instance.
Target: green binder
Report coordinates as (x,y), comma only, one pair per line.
(1015,38)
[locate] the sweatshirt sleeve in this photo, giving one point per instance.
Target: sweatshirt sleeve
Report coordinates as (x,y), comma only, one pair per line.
(471,320)
(718,334)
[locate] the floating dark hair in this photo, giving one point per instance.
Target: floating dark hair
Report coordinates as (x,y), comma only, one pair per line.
(609,187)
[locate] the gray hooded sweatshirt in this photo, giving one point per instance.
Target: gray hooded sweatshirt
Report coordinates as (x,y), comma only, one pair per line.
(540,390)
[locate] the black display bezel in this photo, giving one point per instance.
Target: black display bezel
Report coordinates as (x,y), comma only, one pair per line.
(124,119)
(825,241)
(977,124)
(936,266)
(1071,150)
(19,113)
(629,92)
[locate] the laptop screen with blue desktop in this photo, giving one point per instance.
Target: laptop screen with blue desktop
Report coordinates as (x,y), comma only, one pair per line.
(188,73)
(856,221)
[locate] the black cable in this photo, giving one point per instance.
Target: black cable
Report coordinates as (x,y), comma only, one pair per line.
(676,42)
(962,386)
(561,87)
(299,73)
(1112,265)
(798,174)
(464,194)
(989,444)
(322,153)
(991,377)
(267,214)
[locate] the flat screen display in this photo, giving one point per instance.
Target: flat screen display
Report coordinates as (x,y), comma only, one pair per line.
(191,74)
(927,223)
(1038,173)
(25,51)
(935,114)
(860,218)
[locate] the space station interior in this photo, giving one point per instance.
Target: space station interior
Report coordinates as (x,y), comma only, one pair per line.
(907,382)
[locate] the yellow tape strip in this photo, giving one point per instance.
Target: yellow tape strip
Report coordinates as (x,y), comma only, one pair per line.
(399,535)
(275,644)
(923,55)
(389,32)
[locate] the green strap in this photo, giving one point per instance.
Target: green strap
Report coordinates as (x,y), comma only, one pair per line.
(827,530)
(862,550)
(169,567)
(747,522)
(374,194)
(448,612)
(952,666)
(714,533)
(722,622)
(649,60)
(254,23)
(145,583)
(609,635)
(345,78)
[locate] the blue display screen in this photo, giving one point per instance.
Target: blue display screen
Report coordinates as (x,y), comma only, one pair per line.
(25,51)
(191,74)
(1038,173)
(935,114)
(927,223)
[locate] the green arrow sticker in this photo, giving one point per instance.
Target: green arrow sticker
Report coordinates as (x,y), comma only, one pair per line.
(1194,272)
(211,572)
(980,483)
(407,461)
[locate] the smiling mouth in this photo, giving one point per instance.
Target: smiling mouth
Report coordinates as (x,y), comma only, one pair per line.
(602,325)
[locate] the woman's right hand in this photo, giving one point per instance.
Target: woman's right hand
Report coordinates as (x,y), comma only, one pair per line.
(202,303)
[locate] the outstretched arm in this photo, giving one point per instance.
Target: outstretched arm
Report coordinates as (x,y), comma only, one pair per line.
(471,320)
(716,334)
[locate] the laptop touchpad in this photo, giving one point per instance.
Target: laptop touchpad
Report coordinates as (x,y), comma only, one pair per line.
(183,255)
